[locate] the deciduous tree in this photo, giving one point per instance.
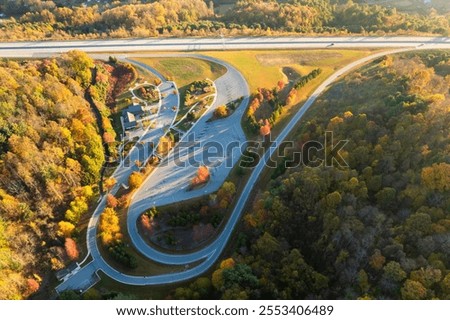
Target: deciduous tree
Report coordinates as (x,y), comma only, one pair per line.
(201,177)
(109,227)
(111,201)
(413,290)
(71,249)
(65,229)
(264,130)
(135,180)
(221,111)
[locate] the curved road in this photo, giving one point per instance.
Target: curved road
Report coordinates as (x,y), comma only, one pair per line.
(213,251)
(209,255)
(230,86)
(169,182)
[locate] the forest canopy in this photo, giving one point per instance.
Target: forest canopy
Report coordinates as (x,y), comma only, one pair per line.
(39,19)
(51,154)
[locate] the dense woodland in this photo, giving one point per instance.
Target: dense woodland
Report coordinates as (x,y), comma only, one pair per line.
(377,229)
(39,19)
(51,154)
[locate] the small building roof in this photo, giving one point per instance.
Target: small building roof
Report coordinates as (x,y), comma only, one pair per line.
(130,117)
(130,114)
(135,109)
(61,274)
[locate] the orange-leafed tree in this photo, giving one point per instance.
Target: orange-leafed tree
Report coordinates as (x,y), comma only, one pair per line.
(108,137)
(266,93)
(291,96)
(259,95)
(32,286)
(202,176)
(265,129)
(254,105)
(124,201)
(71,249)
(146,223)
(111,201)
(221,112)
(280,85)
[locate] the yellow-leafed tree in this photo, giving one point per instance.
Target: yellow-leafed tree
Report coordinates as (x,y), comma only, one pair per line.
(109,227)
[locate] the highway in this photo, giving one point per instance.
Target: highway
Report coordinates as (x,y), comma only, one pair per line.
(45,48)
(208,255)
(212,252)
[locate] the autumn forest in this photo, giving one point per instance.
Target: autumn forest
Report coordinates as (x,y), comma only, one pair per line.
(374,226)
(51,155)
(38,19)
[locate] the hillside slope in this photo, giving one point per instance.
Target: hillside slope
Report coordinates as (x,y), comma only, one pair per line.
(376,228)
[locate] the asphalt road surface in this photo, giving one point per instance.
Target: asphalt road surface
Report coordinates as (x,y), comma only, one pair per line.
(208,256)
(44,48)
(170,182)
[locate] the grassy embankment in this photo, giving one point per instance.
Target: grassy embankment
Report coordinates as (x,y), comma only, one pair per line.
(184,71)
(263,69)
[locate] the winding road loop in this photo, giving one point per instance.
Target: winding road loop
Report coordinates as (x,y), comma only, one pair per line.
(168,183)
(157,190)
